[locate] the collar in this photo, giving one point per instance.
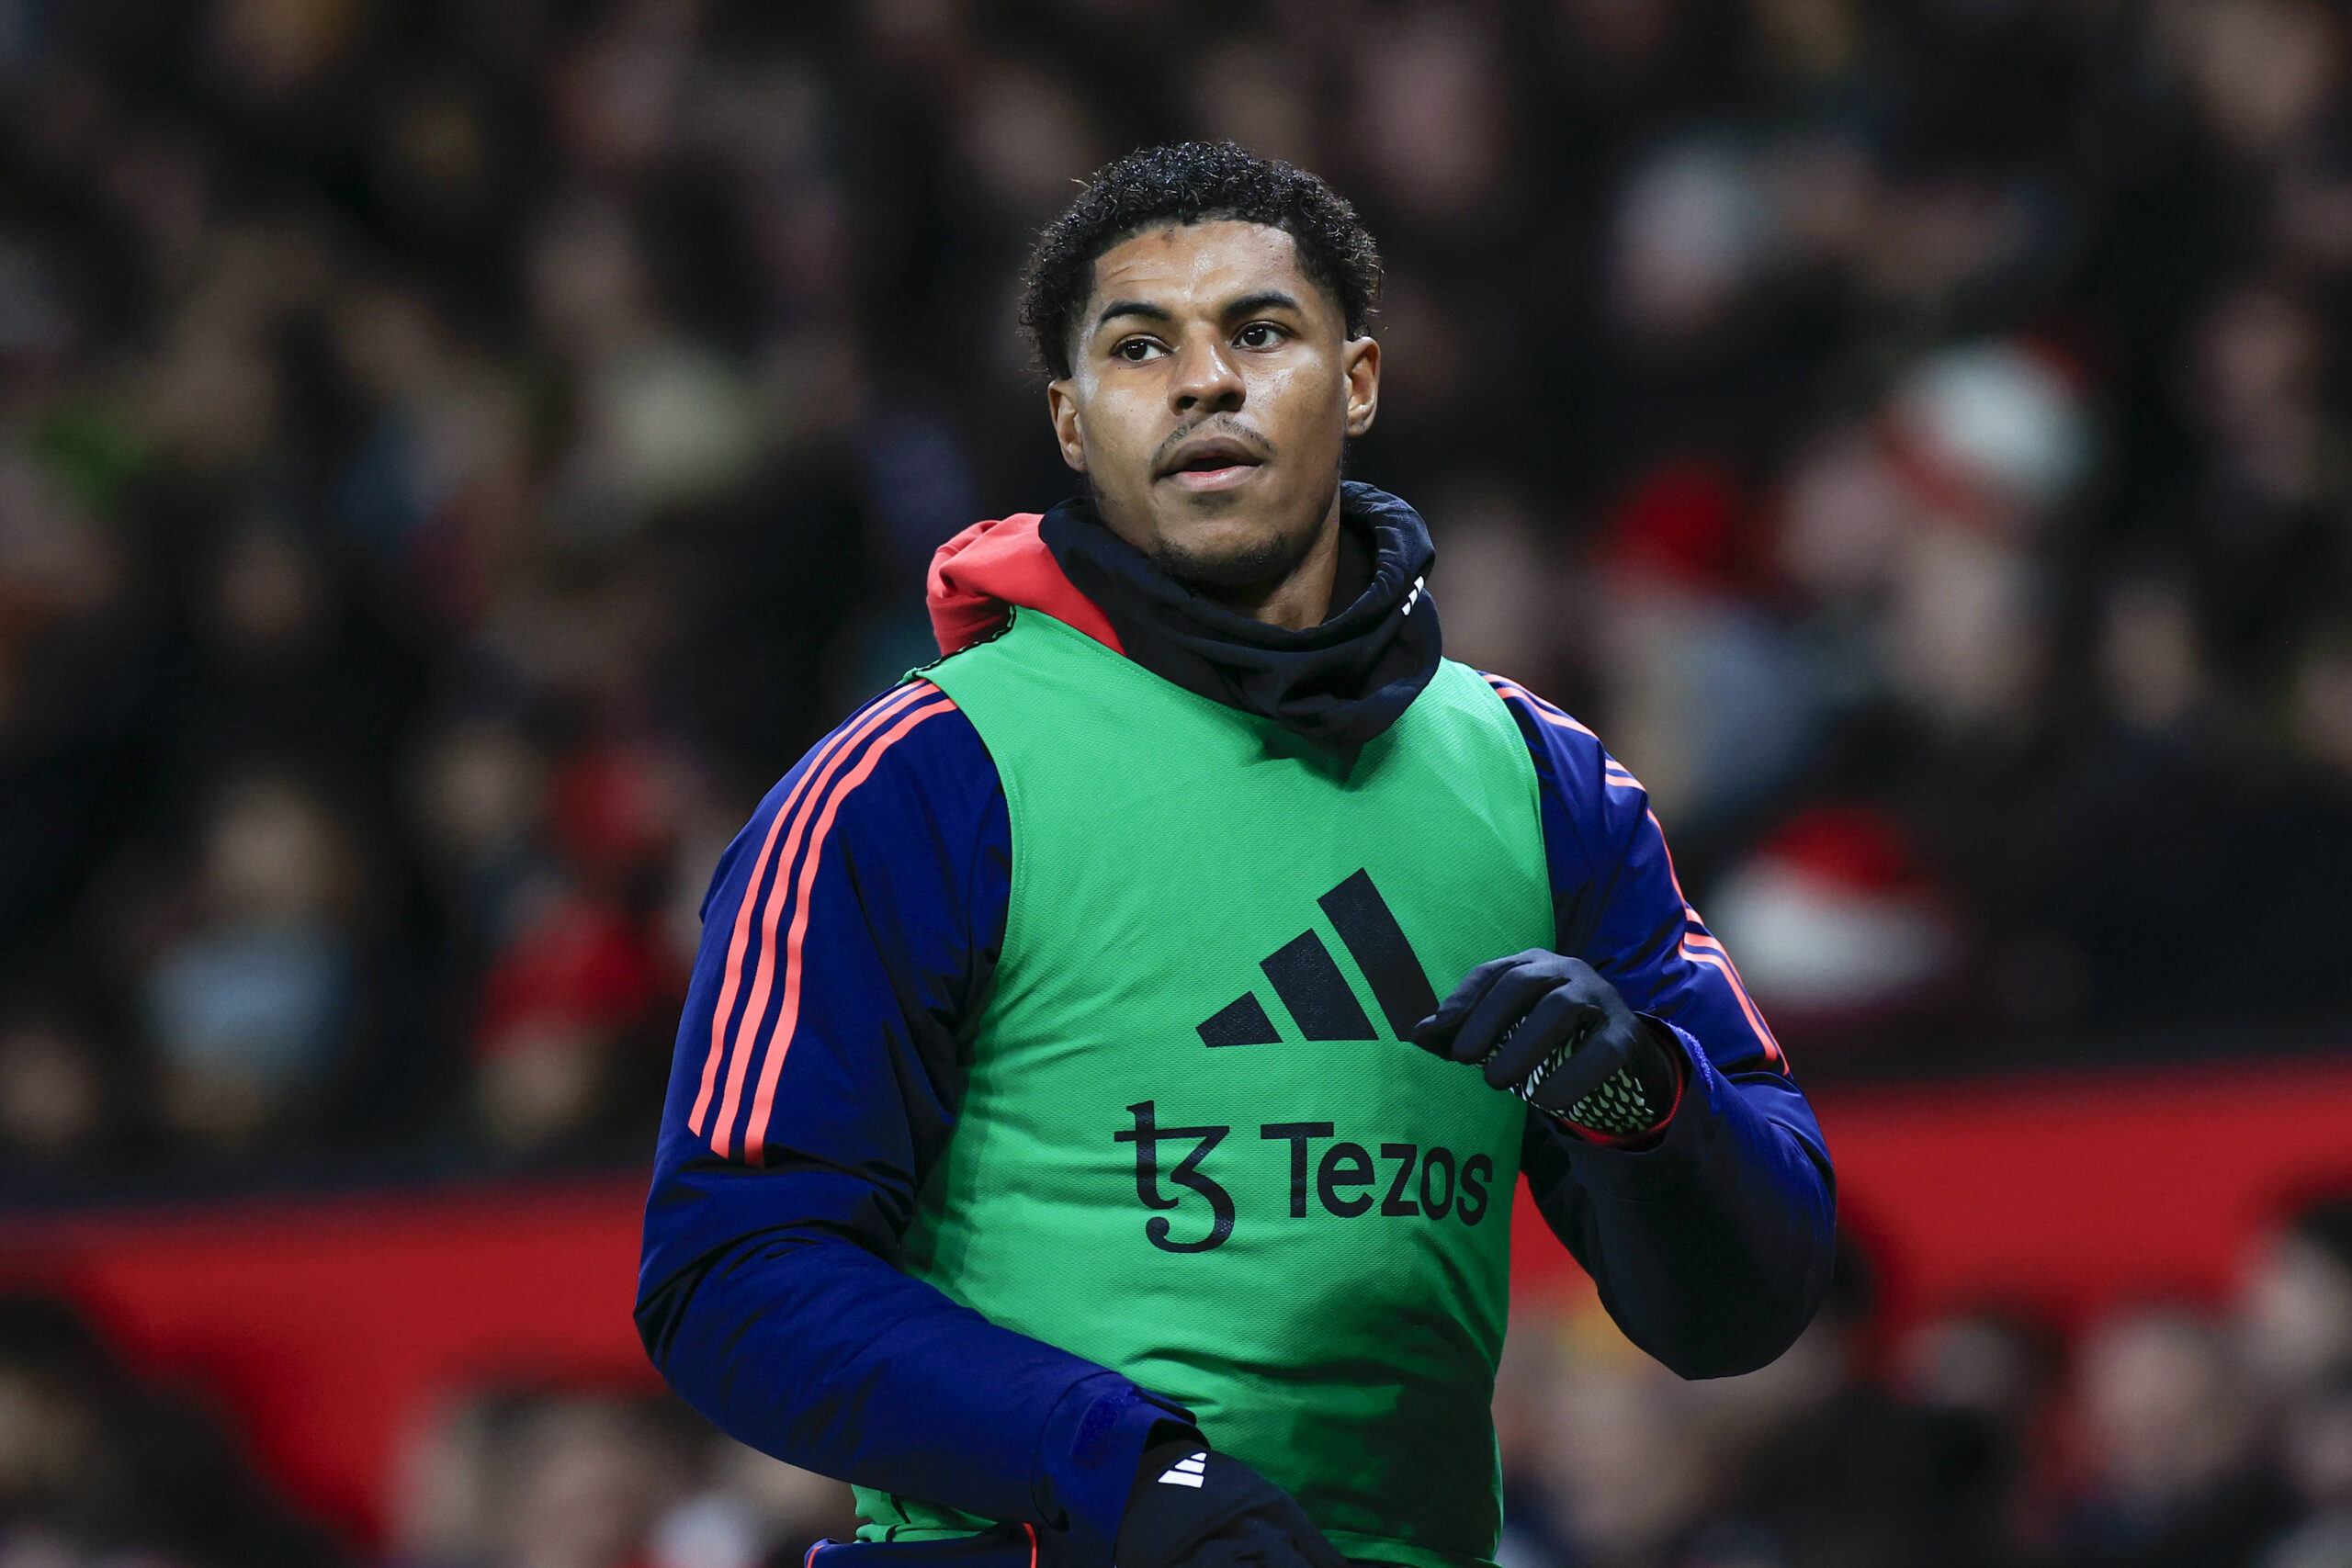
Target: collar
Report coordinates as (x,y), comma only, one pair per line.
(1340,682)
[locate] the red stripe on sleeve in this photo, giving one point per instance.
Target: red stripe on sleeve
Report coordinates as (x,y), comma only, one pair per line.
(789,1014)
(1555,717)
(821,768)
(1700,947)
(840,741)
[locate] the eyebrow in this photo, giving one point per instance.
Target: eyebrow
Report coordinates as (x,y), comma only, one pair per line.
(1144,308)
(1265,299)
(1248,304)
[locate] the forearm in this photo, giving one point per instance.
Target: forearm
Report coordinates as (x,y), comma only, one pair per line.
(806,1346)
(1710,1247)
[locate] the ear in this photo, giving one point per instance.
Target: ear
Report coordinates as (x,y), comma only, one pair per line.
(1360,364)
(1061,407)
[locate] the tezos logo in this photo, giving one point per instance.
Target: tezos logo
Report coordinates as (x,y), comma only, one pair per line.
(1345,1177)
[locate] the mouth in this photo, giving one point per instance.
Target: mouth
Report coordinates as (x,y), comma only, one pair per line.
(1216,462)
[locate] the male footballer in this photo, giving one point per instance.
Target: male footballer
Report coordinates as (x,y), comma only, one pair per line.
(1114,1051)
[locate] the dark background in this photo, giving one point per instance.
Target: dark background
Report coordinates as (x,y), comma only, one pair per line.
(454,456)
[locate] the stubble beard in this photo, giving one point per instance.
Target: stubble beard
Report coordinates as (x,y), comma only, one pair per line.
(1269,558)
(1262,562)
(1265,560)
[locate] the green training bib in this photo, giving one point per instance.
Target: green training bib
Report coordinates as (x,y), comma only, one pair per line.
(1194,1146)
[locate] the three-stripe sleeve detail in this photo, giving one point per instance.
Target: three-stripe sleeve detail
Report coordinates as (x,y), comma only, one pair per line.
(1697,946)
(788,1016)
(781,877)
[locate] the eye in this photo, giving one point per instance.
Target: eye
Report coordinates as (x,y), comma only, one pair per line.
(1136,350)
(1259,334)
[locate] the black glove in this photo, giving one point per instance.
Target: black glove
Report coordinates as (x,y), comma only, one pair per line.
(1192,1508)
(1550,1029)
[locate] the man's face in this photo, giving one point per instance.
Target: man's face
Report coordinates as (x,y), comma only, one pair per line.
(1212,385)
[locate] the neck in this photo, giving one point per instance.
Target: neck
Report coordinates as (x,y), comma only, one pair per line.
(1298,598)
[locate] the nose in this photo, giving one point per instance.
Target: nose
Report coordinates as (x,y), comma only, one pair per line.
(1207,381)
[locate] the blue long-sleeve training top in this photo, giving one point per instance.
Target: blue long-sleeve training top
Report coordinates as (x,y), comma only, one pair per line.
(850,934)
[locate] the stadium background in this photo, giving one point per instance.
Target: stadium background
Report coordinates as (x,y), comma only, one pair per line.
(454,454)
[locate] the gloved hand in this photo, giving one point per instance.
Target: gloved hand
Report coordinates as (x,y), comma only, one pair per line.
(1550,1029)
(1192,1508)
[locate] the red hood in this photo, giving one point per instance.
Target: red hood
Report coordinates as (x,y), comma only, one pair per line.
(980,573)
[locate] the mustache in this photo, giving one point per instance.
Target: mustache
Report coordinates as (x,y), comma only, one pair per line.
(1215,424)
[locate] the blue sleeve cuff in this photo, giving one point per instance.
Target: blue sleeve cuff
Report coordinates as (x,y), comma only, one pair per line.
(1094,1439)
(1672,1159)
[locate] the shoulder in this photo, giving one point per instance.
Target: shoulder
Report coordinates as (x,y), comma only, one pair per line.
(907,759)
(912,737)
(1568,754)
(1594,805)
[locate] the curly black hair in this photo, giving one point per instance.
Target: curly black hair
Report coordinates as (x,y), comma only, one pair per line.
(1192,182)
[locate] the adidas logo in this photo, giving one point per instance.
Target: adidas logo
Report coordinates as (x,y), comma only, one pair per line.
(1309,983)
(1185,1471)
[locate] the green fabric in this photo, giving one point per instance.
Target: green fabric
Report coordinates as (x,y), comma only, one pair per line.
(1119,1188)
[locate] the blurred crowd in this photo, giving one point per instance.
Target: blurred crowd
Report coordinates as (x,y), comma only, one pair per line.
(454,453)
(2164,1434)
(101,1469)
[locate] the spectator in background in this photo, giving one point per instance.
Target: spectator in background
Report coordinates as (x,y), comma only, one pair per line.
(752,1509)
(251,1002)
(578,1483)
(574,1023)
(1811,1462)
(1927,538)
(55,1102)
(96,1468)
(1847,929)
(1607,1459)
(2259,525)
(2320,716)
(1992,1374)
(1835,1469)
(583,1478)
(2295,1305)
(2317,1458)
(537,1479)
(1993,446)
(2178,1475)
(478,797)
(1717,696)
